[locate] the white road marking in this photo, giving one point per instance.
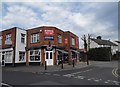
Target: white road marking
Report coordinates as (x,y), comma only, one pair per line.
(96,80)
(6,84)
(88,79)
(47,73)
(106,82)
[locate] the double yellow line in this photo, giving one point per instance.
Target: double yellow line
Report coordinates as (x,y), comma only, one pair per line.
(115,72)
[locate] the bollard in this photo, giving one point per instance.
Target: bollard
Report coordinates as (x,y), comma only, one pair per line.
(45,66)
(61,64)
(73,63)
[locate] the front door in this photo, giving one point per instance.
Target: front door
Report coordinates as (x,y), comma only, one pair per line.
(49,57)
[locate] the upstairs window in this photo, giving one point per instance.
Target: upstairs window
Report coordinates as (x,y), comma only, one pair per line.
(73,41)
(0,40)
(59,39)
(22,38)
(8,39)
(34,38)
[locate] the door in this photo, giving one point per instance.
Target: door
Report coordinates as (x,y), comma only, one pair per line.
(49,57)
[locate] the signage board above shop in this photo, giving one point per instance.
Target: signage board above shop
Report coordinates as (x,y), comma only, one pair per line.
(49,32)
(49,38)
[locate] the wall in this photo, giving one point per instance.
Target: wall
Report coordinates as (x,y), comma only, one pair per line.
(93,44)
(19,46)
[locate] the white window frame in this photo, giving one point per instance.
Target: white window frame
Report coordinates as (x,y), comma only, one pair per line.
(73,41)
(22,37)
(8,57)
(59,39)
(8,39)
(23,55)
(35,55)
(35,38)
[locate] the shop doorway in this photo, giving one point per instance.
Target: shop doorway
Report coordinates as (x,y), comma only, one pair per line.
(49,57)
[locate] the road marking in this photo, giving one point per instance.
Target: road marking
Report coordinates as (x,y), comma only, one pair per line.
(114,72)
(68,75)
(106,82)
(88,79)
(4,84)
(96,80)
(47,73)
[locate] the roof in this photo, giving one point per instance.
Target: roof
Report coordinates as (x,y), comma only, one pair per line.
(117,41)
(104,42)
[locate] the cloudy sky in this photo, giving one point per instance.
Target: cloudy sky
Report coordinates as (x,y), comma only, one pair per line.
(95,18)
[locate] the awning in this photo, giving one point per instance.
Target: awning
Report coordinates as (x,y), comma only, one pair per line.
(61,51)
(75,51)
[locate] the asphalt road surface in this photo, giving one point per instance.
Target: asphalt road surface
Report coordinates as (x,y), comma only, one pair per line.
(92,75)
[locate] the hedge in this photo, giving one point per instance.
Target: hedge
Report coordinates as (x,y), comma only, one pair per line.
(100,54)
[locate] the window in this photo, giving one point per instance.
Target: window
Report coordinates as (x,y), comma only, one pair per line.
(22,38)
(0,40)
(8,56)
(73,41)
(34,38)
(8,39)
(34,55)
(21,56)
(59,39)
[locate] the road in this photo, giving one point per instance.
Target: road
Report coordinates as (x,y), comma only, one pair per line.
(101,74)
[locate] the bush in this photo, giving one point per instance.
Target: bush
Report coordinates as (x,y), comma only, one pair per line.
(100,54)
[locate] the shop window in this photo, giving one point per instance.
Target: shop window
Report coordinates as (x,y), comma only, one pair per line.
(34,38)
(59,39)
(8,39)
(34,55)
(22,38)
(7,56)
(21,56)
(73,41)
(0,40)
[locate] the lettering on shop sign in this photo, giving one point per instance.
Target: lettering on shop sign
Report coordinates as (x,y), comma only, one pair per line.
(49,32)
(49,38)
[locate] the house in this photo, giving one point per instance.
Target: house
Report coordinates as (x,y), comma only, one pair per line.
(50,44)
(12,46)
(118,43)
(99,42)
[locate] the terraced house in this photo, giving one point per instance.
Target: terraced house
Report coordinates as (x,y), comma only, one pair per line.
(37,45)
(12,46)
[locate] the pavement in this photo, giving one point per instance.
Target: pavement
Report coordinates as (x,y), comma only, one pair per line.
(78,65)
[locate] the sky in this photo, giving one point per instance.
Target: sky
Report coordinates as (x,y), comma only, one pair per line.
(95,18)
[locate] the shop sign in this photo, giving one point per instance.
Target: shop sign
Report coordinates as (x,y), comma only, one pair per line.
(49,32)
(66,41)
(49,48)
(49,38)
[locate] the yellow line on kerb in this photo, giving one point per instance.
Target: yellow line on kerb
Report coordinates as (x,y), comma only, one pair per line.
(114,72)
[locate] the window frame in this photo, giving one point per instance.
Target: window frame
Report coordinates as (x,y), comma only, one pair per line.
(59,38)
(23,55)
(34,55)
(35,38)
(23,37)
(8,39)
(73,41)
